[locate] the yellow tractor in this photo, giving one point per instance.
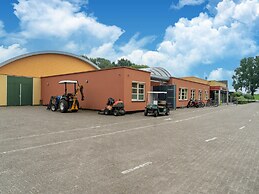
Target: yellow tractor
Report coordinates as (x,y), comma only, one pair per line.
(68,102)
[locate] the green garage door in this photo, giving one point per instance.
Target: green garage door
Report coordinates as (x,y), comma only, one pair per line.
(19,91)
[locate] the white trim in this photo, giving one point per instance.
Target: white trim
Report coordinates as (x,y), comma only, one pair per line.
(138,94)
(180,94)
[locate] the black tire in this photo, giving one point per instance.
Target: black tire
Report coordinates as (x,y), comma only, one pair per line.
(122,112)
(188,105)
(63,106)
(155,113)
(145,112)
(106,111)
(116,113)
(53,107)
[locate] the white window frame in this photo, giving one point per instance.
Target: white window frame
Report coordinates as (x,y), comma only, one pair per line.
(206,94)
(193,91)
(138,91)
(183,92)
(200,95)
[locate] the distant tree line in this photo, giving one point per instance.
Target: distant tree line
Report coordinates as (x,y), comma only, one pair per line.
(105,63)
(246,76)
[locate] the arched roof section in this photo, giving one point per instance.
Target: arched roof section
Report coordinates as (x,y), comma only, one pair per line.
(158,73)
(46,63)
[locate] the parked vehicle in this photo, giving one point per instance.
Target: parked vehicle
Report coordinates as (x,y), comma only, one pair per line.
(211,102)
(193,103)
(113,107)
(201,104)
(157,104)
(68,102)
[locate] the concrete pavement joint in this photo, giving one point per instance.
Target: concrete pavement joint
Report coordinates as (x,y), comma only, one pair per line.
(214,138)
(136,168)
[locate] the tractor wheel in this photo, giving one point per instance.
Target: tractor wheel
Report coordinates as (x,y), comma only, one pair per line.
(145,112)
(63,105)
(53,107)
(155,113)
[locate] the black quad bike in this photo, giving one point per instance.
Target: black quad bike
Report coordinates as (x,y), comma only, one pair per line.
(113,107)
(157,104)
(68,102)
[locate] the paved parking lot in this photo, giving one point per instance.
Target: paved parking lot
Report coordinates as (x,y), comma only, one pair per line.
(208,150)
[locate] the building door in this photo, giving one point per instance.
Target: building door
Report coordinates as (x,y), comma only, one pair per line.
(19,91)
(170,89)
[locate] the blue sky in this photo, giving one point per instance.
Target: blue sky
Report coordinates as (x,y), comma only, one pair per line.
(187,37)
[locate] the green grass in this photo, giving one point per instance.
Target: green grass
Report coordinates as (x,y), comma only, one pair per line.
(256,96)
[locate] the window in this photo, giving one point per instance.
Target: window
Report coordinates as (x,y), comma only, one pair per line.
(193,94)
(183,93)
(200,94)
(206,94)
(138,91)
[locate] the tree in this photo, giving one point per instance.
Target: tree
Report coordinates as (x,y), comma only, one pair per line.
(102,63)
(247,75)
(127,63)
(105,63)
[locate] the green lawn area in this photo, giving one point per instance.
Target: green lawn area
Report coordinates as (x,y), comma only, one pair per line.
(256,96)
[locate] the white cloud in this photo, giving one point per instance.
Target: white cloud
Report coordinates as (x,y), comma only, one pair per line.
(183,3)
(220,74)
(61,21)
(11,51)
(113,52)
(203,40)
(187,44)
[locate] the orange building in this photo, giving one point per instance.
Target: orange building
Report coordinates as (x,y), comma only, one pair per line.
(99,85)
(186,90)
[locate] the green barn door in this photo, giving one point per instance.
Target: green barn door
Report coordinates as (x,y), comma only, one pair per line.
(19,91)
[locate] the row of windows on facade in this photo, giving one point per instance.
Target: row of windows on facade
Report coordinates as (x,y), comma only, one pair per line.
(138,93)
(183,94)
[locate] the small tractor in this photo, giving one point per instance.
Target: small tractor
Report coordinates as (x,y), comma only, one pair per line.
(157,104)
(113,107)
(68,102)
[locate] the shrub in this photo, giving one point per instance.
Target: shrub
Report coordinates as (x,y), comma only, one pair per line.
(248,96)
(241,100)
(237,94)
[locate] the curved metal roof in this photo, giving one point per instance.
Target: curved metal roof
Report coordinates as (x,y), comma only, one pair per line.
(48,52)
(158,73)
